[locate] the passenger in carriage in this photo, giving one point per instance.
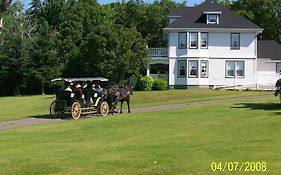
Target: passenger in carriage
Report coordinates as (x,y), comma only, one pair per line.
(68,88)
(98,89)
(87,91)
(79,93)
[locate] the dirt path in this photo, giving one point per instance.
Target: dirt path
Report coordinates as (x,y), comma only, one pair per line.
(34,121)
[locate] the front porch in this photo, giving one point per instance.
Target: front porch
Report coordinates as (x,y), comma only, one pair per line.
(158,64)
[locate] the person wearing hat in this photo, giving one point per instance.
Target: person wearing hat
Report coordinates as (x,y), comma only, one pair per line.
(78,89)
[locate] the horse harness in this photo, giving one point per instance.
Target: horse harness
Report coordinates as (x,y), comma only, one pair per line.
(118,99)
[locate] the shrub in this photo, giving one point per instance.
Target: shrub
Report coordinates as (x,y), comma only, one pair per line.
(159,84)
(145,83)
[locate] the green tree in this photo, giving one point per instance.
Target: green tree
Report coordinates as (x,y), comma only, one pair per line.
(14,58)
(149,19)
(45,63)
(265,13)
(113,51)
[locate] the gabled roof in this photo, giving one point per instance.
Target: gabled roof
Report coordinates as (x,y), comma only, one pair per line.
(269,49)
(194,17)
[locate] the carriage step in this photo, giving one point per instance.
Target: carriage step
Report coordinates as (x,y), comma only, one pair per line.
(90,112)
(89,108)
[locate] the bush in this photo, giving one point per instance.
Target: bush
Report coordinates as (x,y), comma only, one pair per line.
(159,84)
(145,83)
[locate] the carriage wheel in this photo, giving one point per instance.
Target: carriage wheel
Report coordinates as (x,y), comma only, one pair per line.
(104,108)
(53,110)
(76,110)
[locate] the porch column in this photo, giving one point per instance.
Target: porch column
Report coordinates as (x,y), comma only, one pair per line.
(148,69)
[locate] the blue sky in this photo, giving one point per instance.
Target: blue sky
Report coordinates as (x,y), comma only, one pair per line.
(189,2)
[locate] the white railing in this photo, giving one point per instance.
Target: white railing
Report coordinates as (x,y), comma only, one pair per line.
(157,52)
(250,87)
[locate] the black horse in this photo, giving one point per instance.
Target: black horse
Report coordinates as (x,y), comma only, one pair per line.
(117,94)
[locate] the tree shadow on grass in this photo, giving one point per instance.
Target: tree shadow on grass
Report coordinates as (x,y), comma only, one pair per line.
(258,106)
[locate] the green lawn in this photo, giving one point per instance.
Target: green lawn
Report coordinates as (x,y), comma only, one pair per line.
(26,106)
(177,142)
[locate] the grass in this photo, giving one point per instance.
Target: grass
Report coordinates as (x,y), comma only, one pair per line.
(28,106)
(143,99)
(182,142)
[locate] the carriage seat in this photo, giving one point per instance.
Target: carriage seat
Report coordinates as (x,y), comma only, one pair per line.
(62,94)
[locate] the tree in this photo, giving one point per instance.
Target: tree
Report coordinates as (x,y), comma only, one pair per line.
(113,51)
(14,60)
(265,13)
(149,19)
(4,4)
(45,63)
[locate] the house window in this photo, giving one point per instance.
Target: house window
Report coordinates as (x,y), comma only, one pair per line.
(181,68)
(239,68)
(204,69)
(193,37)
(212,19)
(204,40)
(193,69)
(235,41)
(182,40)
(235,69)
(278,68)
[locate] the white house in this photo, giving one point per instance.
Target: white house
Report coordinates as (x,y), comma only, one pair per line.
(211,46)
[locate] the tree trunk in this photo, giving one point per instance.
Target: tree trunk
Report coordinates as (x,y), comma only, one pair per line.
(16,90)
(43,87)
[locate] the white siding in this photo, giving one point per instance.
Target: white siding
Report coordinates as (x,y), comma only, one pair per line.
(267,72)
(173,73)
(217,73)
(218,47)
(173,44)
(217,53)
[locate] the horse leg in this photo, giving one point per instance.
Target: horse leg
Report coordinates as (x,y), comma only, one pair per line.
(121,107)
(128,104)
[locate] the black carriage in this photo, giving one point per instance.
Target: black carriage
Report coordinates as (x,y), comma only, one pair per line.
(79,100)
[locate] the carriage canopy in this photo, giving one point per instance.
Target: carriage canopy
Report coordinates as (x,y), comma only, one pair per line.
(80,79)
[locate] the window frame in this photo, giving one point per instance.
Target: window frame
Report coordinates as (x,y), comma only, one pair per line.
(216,19)
(179,44)
(231,45)
(207,43)
(243,69)
(179,69)
(235,69)
(189,69)
(190,33)
(207,68)
(276,68)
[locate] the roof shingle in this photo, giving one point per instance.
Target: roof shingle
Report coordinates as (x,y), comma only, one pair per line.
(269,49)
(194,17)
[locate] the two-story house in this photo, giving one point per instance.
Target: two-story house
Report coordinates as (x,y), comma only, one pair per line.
(211,46)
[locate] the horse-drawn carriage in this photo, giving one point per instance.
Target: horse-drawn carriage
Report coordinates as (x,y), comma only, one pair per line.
(78,99)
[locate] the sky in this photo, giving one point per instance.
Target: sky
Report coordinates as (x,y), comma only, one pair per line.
(189,2)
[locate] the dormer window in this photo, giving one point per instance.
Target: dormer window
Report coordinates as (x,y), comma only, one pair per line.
(212,17)
(173,18)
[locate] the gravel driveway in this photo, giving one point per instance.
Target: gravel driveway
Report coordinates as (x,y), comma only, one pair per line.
(34,121)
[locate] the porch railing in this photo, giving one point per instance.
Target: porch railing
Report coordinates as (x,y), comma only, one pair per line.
(157,52)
